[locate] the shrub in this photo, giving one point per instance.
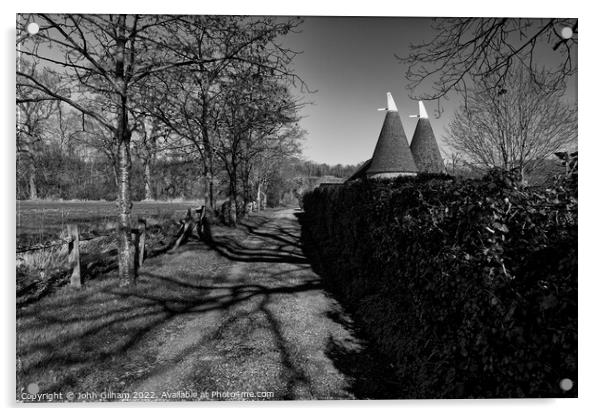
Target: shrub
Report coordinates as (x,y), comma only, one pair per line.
(469,286)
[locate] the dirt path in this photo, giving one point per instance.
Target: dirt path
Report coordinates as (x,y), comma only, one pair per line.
(242,316)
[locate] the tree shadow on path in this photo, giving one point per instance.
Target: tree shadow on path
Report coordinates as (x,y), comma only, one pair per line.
(106,337)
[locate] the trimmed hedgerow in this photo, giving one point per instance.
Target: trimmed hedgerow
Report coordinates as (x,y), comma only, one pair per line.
(469,286)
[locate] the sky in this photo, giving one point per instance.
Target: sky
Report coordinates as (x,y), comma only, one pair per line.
(350,62)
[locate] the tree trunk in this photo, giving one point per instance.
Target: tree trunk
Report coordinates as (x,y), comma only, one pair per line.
(148,189)
(208,187)
(232,212)
(126,249)
(247,190)
(211,190)
(150,157)
(233,194)
(33,192)
(209,194)
(115,166)
(123,136)
(259,197)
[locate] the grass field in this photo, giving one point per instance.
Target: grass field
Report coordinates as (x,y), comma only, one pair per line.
(39,222)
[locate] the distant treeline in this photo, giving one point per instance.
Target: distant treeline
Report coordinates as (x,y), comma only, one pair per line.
(65,175)
(70,173)
(308,168)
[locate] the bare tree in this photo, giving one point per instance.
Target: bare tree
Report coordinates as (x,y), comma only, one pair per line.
(516,128)
(464,49)
(255,119)
(148,138)
(191,101)
(34,112)
(264,166)
(104,64)
(100,59)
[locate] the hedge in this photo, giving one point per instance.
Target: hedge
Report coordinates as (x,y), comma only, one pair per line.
(468,286)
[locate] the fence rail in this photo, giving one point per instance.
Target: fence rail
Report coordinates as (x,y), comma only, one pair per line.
(197,220)
(58,243)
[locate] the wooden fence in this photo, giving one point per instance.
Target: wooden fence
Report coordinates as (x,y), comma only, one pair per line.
(197,220)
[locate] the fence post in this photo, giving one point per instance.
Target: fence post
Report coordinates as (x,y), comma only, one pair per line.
(141,240)
(188,221)
(200,228)
(133,265)
(73,231)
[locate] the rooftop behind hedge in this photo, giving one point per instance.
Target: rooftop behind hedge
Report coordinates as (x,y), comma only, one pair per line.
(392,152)
(425,149)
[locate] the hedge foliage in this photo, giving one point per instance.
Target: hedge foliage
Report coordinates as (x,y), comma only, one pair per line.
(469,286)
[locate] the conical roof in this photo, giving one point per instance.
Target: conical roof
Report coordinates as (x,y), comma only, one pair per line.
(424,146)
(392,153)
